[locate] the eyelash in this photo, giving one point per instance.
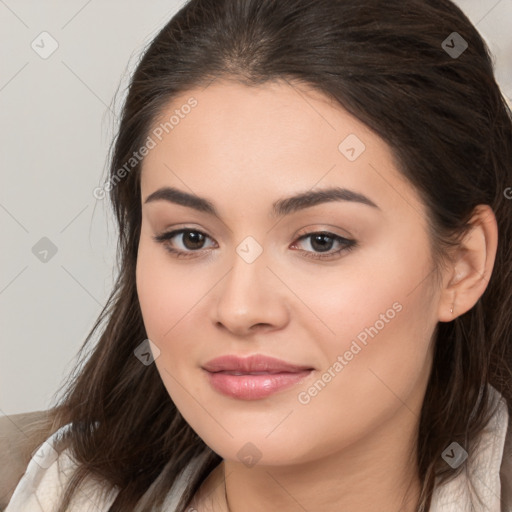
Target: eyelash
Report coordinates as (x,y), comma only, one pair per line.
(348,244)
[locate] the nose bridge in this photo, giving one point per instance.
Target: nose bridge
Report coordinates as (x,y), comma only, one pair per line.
(247,276)
(248,295)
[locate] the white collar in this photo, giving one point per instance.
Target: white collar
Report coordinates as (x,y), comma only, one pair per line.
(480,476)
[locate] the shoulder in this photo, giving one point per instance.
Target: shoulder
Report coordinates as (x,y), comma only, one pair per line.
(17,442)
(45,477)
(506,467)
(487,473)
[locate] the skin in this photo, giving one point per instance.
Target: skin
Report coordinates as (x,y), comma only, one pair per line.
(243,148)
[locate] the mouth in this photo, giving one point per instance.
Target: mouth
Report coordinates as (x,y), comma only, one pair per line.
(255,364)
(254,385)
(254,377)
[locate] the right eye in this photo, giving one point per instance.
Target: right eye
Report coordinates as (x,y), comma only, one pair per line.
(192,241)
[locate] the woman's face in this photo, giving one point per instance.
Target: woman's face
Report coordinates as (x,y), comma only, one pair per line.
(360,314)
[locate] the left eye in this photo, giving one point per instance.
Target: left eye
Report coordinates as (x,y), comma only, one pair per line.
(192,241)
(323,242)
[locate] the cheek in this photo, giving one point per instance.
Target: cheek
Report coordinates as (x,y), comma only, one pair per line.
(166,290)
(166,296)
(154,292)
(368,294)
(377,348)
(374,367)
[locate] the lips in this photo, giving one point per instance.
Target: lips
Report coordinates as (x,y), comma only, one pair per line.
(253,378)
(252,365)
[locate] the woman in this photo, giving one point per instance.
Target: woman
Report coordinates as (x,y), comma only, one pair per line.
(313,304)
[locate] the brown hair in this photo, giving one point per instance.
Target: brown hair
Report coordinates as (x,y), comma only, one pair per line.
(450,131)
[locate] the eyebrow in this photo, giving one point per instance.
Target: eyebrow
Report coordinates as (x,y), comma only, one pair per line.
(280,208)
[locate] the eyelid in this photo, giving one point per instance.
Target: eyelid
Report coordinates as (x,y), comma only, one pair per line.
(167,235)
(323,228)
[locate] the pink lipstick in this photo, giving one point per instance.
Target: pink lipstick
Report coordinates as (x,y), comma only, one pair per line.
(254,377)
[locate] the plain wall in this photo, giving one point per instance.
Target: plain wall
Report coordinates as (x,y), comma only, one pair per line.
(57,122)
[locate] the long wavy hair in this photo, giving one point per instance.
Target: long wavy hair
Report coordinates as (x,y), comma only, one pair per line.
(450,131)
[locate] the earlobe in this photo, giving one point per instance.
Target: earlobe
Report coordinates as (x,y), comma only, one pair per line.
(471,267)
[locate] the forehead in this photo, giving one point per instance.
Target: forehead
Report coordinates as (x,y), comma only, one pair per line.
(271,121)
(268,139)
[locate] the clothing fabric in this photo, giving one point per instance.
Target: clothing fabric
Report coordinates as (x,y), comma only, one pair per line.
(487,472)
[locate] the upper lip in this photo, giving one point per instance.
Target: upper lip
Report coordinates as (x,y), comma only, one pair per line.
(254,363)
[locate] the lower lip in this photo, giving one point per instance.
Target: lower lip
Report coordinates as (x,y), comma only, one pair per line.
(254,387)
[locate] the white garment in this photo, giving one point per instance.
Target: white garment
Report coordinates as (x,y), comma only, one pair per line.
(42,485)
(482,471)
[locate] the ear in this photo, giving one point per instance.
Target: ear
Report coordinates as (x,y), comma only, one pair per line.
(471,266)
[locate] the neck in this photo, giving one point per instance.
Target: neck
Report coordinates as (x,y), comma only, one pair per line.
(326,485)
(375,473)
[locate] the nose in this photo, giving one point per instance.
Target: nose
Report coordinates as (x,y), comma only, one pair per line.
(251,298)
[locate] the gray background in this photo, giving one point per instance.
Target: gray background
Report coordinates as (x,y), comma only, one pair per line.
(57,120)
